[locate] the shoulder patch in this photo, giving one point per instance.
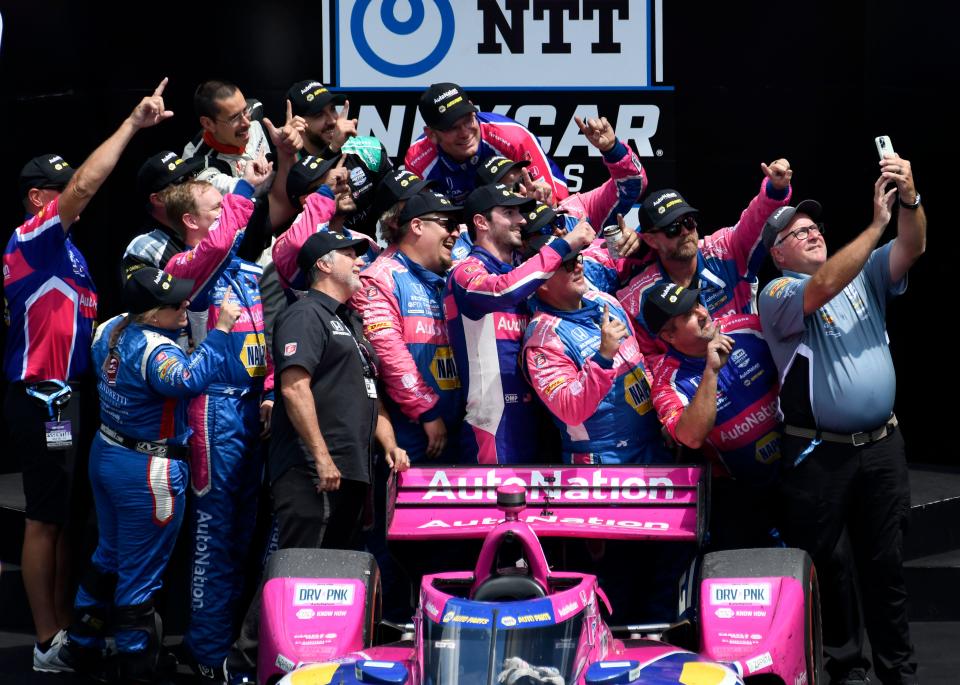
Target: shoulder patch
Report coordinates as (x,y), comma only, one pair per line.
(776,287)
(290,349)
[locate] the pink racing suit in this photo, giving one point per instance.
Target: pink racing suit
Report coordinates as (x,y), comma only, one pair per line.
(727,265)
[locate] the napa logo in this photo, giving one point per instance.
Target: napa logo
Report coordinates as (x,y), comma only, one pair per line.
(637,393)
(392,24)
(253,355)
(768,448)
(444,369)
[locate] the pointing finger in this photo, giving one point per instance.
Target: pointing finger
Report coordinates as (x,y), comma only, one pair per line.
(289,110)
(159,89)
(344,110)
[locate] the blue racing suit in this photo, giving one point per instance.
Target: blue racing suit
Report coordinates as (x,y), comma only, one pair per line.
(602,407)
(139,475)
(226,464)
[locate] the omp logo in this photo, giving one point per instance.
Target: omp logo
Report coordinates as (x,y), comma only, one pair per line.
(402,27)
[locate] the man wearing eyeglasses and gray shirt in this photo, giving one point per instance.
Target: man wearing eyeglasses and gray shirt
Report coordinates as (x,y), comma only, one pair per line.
(722,266)
(844,465)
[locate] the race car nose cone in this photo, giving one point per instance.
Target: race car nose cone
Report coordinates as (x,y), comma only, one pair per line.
(511,499)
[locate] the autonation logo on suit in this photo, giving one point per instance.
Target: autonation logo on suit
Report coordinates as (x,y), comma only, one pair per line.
(519,58)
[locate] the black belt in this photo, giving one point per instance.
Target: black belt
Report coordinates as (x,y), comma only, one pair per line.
(855,439)
(148,447)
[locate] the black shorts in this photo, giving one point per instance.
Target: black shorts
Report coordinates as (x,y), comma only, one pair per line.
(47,474)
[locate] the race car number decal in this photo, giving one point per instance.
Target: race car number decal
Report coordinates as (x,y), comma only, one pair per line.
(311,594)
(740,593)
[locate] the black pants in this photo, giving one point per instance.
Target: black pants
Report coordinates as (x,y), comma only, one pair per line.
(848,508)
(306,519)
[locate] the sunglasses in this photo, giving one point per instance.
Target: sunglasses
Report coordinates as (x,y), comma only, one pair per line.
(571,266)
(687,221)
(446,223)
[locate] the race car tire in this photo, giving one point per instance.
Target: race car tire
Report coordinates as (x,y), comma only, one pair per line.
(772,562)
(335,563)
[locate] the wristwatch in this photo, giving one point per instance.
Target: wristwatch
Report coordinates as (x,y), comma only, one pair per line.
(913,205)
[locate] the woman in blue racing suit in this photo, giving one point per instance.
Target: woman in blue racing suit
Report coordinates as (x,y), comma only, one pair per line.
(138,470)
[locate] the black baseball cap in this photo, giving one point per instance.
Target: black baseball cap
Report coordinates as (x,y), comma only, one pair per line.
(442,104)
(665,301)
(781,217)
(45,171)
(541,219)
(164,169)
(148,287)
(426,202)
(308,98)
(322,242)
(541,241)
(662,208)
(489,196)
(305,173)
(397,185)
(494,168)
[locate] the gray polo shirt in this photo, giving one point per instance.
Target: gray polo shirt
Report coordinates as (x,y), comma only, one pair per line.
(835,365)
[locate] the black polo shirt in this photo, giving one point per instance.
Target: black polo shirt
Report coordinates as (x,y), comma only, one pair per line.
(325,338)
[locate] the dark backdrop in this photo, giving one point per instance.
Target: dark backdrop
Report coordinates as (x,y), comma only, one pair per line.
(811,81)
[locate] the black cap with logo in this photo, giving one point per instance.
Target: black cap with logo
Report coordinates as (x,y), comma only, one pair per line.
(425,203)
(489,196)
(322,242)
(164,169)
(308,98)
(662,208)
(442,104)
(305,173)
(45,171)
(665,301)
(781,217)
(492,169)
(148,287)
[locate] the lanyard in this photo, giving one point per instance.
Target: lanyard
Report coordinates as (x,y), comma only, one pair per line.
(55,399)
(369,368)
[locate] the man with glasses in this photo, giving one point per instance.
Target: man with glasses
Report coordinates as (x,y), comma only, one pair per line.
(722,266)
(229,138)
(458,138)
(401,300)
(584,363)
(845,473)
(485,303)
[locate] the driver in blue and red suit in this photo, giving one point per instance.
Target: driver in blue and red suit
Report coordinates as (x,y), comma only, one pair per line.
(458,138)
(716,389)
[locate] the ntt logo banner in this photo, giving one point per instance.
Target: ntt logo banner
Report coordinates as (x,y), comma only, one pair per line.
(498,44)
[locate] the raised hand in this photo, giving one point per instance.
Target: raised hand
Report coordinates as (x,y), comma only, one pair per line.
(612,333)
(229,312)
(598,132)
(779,173)
(150,111)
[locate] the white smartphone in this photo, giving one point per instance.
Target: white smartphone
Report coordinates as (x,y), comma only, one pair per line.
(884,146)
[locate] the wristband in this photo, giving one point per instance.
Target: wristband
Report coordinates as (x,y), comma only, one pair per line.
(913,205)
